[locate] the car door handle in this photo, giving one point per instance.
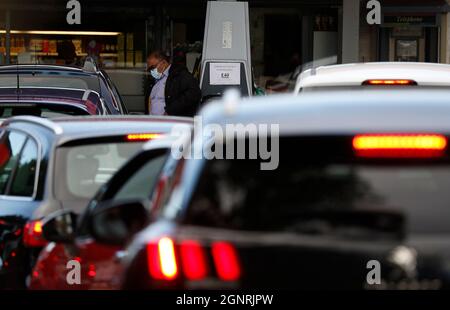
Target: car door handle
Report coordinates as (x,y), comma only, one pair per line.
(120,255)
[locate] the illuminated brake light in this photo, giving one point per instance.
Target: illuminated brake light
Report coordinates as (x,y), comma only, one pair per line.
(167,258)
(400,145)
(226,261)
(143,136)
(390,82)
(193,260)
(37,228)
(32,234)
(161,259)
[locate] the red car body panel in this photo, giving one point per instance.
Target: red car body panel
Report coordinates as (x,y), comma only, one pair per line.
(99,266)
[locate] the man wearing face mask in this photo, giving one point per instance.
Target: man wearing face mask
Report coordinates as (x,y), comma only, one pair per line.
(172,90)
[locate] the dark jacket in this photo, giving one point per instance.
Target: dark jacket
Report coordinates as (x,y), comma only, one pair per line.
(182,92)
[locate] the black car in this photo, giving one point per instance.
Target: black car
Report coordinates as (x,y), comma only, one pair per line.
(51,91)
(355,197)
(47,166)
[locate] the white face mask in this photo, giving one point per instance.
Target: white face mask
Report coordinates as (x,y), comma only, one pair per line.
(155,74)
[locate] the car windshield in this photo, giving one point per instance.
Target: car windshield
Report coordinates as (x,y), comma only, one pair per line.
(82,169)
(313,192)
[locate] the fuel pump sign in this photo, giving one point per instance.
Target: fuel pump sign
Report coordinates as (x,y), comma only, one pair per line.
(225,73)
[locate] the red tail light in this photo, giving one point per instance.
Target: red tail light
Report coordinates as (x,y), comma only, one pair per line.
(226,261)
(162,263)
(32,234)
(91,271)
(163,255)
(390,82)
(193,260)
(143,136)
(410,145)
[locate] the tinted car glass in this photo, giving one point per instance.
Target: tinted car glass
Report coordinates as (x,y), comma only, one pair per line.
(40,80)
(141,183)
(25,175)
(41,110)
(324,191)
(137,185)
(11,144)
(82,169)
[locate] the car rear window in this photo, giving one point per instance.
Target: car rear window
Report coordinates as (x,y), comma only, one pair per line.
(82,169)
(322,188)
(41,110)
(44,80)
(25,172)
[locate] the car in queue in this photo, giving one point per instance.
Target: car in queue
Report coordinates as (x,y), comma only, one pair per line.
(151,169)
(47,166)
(353,188)
(51,91)
(373,74)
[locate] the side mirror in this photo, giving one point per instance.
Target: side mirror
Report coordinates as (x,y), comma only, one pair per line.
(116,222)
(60,227)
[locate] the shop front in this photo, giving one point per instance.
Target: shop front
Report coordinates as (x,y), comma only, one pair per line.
(71,47)
(116,34)
(411,31)
(38,32)
(411,36)
(119,34)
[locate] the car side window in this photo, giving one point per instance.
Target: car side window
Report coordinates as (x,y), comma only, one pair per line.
(135,180)
(11,145)
(140,184)
(25,175)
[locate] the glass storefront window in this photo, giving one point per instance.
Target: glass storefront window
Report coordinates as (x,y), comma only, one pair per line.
(109,49)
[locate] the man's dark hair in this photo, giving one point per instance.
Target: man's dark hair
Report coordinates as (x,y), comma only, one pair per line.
(159,54)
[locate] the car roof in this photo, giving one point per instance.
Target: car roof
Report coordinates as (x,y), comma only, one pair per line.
(425,74)
(340,111)
(67,129)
